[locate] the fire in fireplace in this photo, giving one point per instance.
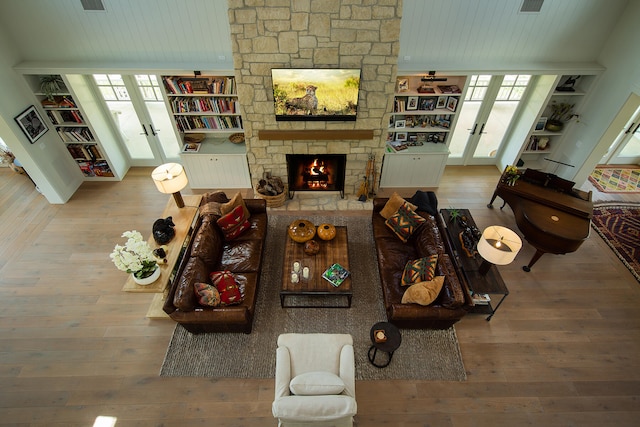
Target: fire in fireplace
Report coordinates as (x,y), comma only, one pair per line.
(316,172)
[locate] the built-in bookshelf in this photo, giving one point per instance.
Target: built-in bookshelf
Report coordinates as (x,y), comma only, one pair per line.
(544,139)
(204,104)
(424,113)
(71,123)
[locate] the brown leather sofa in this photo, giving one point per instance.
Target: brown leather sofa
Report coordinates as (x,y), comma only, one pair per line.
(209,251)
(453,301)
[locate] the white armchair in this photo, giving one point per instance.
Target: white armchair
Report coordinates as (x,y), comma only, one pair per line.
(315,380)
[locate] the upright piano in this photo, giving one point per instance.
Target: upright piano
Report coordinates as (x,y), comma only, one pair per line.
(552,215)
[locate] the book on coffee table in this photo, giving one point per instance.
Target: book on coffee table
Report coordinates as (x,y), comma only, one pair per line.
(336,274)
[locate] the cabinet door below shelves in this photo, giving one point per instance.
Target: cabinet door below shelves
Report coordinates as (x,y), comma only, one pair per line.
(217,170)
(413,170)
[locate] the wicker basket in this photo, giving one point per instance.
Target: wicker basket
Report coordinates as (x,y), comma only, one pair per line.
(273,201)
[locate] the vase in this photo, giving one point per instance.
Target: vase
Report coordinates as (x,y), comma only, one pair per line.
(311,247)
(301,230)
(326,231)
(149,279)
(554,126)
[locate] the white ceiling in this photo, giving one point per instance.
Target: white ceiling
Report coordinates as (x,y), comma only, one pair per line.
(449,34)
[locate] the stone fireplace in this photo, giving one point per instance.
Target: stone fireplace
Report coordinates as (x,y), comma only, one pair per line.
(316,172)
(315,34)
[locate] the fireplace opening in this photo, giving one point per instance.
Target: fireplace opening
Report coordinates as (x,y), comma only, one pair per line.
(316,172)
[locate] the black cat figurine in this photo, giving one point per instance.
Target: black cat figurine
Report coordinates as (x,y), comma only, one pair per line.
(163,230)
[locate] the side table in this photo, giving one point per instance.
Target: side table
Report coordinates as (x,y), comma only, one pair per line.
(388,346)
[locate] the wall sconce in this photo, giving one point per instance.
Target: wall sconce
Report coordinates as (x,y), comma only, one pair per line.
(497,245)
(170,178)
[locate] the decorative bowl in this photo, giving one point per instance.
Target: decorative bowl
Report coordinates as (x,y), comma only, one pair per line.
(311,247)
(237,138)
(301,230)
(326,231)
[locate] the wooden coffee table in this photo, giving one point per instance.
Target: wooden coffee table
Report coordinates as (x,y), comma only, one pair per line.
(332,251)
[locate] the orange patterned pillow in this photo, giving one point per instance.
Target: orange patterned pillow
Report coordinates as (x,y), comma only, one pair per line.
(419,270)
(404,222)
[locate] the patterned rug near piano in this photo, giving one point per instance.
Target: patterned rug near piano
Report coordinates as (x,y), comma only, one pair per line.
(616,180)
(619,225)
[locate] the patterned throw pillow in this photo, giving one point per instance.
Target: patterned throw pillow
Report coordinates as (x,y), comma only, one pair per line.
(423,293)
(419,270)
(234,223)
(226,284)
(207,294)
(404,222)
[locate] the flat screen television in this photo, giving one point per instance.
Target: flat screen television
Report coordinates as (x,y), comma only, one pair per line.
(315,94)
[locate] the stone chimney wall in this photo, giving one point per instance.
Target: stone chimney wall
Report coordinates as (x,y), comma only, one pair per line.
(268,34)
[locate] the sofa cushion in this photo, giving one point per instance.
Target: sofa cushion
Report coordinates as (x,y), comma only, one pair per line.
(241,255)
(207,242)
(234,223)
(235,201)
(316,383)
(419,270)
(210,208)
(423,293)
(207,294)
(393,204)
(195,271)
(404,222)
(226,284)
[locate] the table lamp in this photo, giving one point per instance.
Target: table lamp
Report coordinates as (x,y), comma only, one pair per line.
(497,245)
(170,178)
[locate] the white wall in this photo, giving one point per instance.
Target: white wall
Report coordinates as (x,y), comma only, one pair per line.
(621,58)
(46,161)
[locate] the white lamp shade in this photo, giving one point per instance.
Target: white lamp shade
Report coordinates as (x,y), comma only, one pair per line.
(169,178)
(499,245)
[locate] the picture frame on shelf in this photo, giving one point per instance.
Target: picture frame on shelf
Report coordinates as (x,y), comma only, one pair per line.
(31,124)
(400,124)
(442,102)
(542,121)
(403,85)
(191,147)
(401,136)
(412,103)
(427,104)
(452,103)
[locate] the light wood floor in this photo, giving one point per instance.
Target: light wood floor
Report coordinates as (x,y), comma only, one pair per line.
(562,350)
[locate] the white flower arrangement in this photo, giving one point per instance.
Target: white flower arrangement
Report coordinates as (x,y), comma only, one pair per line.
(135,256)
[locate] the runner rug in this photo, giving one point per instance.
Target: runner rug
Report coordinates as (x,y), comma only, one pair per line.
(423,354)
(619,225)
(616,180)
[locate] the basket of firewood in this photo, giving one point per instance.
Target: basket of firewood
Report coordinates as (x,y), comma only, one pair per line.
(272,189)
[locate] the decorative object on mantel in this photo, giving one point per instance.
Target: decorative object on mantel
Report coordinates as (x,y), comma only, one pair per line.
(271,188)
(301,230)
(136,258)
(170,178)
(163,230)
(326,231)
(237,138)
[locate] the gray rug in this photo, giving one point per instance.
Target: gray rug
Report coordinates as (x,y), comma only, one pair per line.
(424,354)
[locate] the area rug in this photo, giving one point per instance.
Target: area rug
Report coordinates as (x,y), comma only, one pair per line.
(616,180)
(619,225)
(423,354)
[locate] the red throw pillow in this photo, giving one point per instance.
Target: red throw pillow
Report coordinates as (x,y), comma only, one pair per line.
(226,284)
(234,223)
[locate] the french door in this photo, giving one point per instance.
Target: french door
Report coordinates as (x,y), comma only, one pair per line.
(490,104)
(140,115)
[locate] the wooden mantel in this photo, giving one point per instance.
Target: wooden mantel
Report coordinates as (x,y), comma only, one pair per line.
(315,134)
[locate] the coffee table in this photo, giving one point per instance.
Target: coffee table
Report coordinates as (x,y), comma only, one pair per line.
(332,251)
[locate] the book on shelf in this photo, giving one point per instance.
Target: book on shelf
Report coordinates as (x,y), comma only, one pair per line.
(336,274)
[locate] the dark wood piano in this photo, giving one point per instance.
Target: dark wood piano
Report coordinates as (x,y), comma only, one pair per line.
(552,215)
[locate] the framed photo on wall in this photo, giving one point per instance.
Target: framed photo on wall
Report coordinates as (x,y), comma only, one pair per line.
(31,124)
